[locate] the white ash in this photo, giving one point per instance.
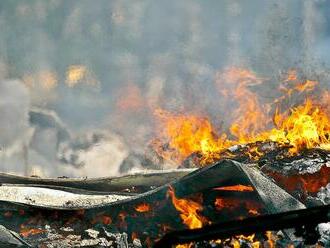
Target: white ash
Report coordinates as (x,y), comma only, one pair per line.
(137,243)
(92,233)
(51,198)
(324,194)
(324,230)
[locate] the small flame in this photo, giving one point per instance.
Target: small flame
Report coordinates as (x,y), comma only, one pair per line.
(238,187)
(306,86)
(292,75)
(143,207)
(188,134)
(75,74)
(26,232)
(190,211)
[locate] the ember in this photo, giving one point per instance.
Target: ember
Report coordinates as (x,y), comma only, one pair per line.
(25,232)
(143,207)
(235,188)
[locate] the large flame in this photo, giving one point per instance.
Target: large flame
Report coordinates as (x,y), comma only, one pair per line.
(187,134)
(307,126)
(301,127)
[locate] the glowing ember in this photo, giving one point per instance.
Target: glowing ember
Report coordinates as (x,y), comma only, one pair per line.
(190,211)
(26,232)
(143,207)
(238,187)
(184,246)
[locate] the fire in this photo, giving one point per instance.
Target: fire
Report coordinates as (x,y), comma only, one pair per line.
(238,187)
(292,75)
(26,232)
(306,86)
(249,116)
(184,246)
(188,134)
(302,127)
(74,74)
(250,239)
(143,207)
(307,126)
(190,211)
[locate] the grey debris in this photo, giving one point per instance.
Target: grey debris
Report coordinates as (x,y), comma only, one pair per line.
(324,230)
(92,233)
(66,229)
(137,243)
(9,238)
(121,240)
(105,243)
(89,242)
(324,194)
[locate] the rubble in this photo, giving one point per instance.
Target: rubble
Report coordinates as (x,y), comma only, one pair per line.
(324,194)
(324,230)
(66,216)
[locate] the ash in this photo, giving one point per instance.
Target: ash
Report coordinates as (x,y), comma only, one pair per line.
(324,194)
(66,237)
(324,228)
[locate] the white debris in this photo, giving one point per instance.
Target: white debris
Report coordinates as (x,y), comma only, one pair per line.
(51,198)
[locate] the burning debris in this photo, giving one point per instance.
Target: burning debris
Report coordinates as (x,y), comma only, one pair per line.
(225,191)
(179,141)
(257,170)
(272,160)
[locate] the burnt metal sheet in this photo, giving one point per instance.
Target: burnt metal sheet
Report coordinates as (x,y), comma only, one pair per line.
(142,179)
(223,173)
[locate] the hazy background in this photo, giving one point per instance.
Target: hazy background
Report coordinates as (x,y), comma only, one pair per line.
(102,65)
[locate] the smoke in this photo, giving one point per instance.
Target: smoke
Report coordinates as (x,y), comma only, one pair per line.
(108,65)
(14,107)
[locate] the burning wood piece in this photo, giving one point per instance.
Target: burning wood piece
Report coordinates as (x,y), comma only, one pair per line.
(301,175)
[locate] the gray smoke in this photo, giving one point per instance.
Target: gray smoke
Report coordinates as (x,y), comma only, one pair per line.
(170,51)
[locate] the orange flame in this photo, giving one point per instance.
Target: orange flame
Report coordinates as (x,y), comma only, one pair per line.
(26,232)
(250,116)
(188,134)
(306,86)
(303,127)
(292,75)
(143,207)
(190,211)
(307,126)
(238,187)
